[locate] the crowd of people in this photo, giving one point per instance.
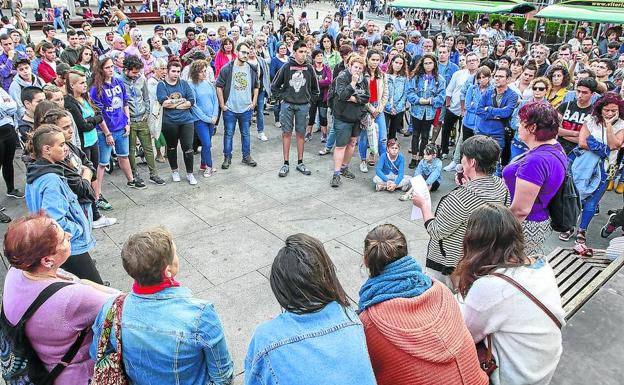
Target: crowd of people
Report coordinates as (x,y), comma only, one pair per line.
(511,119)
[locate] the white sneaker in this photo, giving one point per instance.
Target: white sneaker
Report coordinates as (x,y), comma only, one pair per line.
(208,172)
(450,167)
(191,179)
(262,136)
(175,176)
(104,222)
(278,124)
(363,166)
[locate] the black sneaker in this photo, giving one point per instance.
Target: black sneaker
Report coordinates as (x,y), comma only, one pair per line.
(15,193)
(137,184)
(609,228)
(413,163)
(335,181)
(157,180)
(248,160)
(346,173)
(3,217)
(227,161)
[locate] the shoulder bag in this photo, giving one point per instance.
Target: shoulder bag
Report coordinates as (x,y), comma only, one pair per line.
(109,368)
(484,353)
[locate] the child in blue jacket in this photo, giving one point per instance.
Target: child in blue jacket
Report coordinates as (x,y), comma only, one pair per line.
(390,169)
(430,167)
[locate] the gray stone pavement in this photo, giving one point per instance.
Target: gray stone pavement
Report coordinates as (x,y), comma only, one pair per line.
(229,227)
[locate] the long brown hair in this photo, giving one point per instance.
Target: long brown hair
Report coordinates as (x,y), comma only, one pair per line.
(98,75)
(303,277)
(420,67)
(493,240)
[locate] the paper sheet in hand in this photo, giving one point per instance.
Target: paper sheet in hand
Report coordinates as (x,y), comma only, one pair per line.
(419,186)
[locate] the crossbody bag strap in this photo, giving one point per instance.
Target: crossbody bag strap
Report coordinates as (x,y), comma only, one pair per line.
(530,296)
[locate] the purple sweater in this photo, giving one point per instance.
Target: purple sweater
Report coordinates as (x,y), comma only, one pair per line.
(54,327)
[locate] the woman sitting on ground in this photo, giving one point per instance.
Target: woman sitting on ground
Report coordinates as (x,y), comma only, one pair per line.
(526,342)
(36,246)
(414,329)
(317,339)
(168,336)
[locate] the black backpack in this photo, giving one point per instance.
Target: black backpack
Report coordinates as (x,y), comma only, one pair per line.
(20,363)
(565,207)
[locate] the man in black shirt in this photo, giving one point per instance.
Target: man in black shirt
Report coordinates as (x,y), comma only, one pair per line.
(574,113)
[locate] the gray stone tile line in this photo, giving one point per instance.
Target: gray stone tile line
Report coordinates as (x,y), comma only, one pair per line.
(175,199)
(123,192)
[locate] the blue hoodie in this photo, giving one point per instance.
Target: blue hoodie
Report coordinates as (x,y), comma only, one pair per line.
(206,105)
(111,101)
(47,189)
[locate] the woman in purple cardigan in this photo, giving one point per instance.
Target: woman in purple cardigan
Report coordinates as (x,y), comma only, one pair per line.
(324,75)
(36,246)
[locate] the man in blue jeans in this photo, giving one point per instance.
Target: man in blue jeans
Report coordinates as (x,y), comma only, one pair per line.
(296,86)
(237,91)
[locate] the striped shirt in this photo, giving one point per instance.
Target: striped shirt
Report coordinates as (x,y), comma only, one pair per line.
(448,227)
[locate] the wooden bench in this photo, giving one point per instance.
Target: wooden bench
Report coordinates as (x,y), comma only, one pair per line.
(139,17)
(579,278)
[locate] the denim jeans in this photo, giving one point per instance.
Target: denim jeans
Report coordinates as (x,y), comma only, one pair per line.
(500,139)
(205,132)
(229,121)
(591,202)
(382,134)
(260,112)
(331,136)
(277,107)
(59,21)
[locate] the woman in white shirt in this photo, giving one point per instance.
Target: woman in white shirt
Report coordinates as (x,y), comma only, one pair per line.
(526,343)
(160,69)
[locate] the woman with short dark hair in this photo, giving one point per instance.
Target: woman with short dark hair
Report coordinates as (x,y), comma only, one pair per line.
(169,337)
(36,246)
(317,338)
(414,329)
(479,157)
(525,341)
(534,178)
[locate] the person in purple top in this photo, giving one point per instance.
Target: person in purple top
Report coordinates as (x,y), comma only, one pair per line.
(8,55)
(109,95)
(534,178)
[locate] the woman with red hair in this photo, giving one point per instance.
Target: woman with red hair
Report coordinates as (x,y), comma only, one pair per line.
(36,246)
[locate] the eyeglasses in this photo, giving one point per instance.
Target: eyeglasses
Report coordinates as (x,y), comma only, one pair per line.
(539,88)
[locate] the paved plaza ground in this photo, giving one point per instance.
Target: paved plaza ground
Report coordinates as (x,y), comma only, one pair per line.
(229,228)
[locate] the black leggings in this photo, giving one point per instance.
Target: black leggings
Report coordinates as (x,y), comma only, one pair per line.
(321,107)
(467,132)
(93,154)
(450,119)
(7,153)
(420,135)
(82,266)
(183,133)
(394,123)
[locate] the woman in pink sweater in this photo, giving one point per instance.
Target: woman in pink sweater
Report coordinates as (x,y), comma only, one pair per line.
(415,332)
(36,246)
(225,54)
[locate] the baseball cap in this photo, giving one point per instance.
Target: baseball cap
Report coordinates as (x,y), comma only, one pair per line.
(158,27)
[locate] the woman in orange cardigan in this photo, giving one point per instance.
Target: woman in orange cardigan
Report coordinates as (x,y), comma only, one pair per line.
(414,329)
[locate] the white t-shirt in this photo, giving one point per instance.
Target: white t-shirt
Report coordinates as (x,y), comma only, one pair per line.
(596,130)
(526,342)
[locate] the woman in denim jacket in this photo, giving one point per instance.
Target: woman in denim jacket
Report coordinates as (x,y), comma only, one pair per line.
(480,84)
(426,93)
(168,337)
(397,95)
(318,339)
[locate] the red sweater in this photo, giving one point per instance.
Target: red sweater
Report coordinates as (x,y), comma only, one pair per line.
(421,341)
(46,72)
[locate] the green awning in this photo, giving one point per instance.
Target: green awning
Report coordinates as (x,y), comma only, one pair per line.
(611,11)
(481,6)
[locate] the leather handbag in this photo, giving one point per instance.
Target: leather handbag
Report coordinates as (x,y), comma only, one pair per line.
(484,353)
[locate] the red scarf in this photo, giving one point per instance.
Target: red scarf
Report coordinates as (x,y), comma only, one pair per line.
(167,282)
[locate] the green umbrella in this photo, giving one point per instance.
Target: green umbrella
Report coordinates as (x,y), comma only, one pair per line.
(611,11)
(481,6)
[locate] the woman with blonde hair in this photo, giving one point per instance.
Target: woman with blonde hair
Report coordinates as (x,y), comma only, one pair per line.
(205,110)
(540,88)
(414,329)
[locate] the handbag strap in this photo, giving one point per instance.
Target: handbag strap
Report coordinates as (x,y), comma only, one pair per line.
(111,321)
(530,296)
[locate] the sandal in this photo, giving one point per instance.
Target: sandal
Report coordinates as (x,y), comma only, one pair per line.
(581,238)
(566,235)
(582,250)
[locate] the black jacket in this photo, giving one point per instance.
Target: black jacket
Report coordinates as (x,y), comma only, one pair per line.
(83,125)
(296,83)
(345,110)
